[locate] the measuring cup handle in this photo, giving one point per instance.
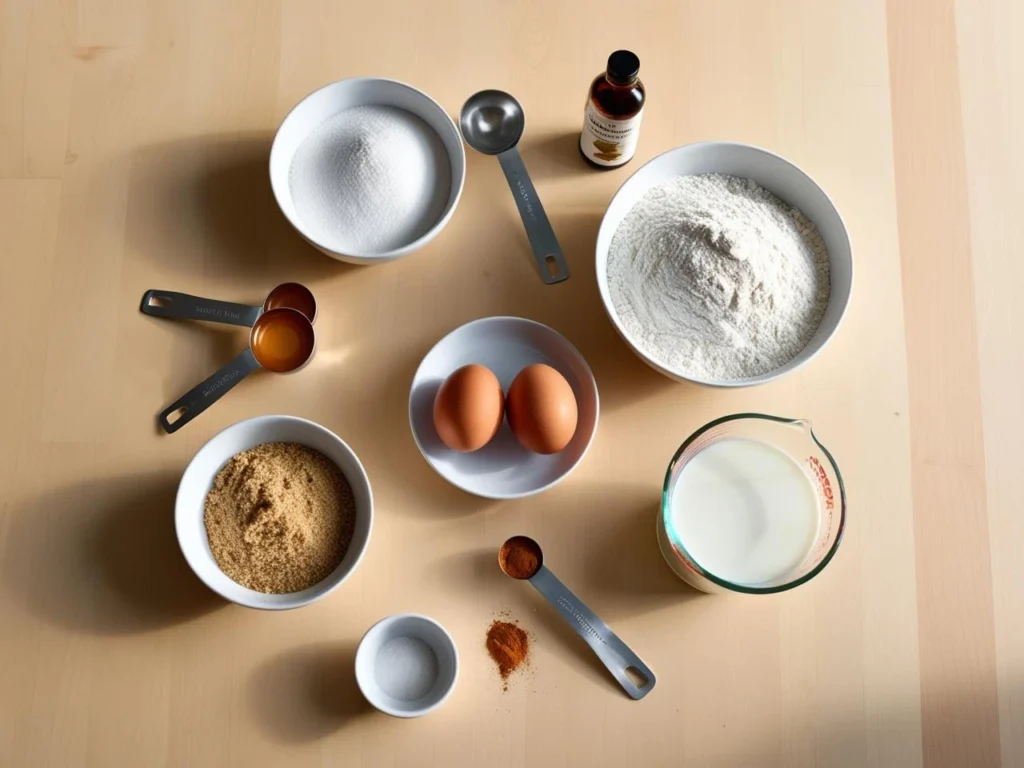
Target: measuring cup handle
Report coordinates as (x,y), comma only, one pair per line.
(616,656)
(203,395)
(546,250)
(182,306)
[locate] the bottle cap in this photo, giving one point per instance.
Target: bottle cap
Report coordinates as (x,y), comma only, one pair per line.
(623,67)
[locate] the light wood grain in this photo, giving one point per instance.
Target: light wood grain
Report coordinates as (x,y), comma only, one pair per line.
(133,155)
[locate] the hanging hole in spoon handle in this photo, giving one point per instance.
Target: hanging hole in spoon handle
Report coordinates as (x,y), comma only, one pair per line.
(628,669)
(203,395)
(183,306)
(547,253)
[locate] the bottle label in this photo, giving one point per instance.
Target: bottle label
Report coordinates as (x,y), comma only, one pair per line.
(606,141)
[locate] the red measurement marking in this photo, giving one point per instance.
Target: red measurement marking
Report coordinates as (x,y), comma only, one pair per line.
(826,487)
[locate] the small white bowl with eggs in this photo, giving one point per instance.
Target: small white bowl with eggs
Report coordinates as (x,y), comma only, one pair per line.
(503,468)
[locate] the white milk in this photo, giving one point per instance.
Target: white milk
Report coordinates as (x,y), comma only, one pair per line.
(745,511)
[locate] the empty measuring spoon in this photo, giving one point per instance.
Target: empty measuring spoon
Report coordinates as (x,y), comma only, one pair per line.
(183,306)
(521,558)
(282,340)
(492,122)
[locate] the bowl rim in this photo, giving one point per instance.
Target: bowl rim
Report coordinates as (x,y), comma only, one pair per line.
(591,380)
(426,237)
(252,600)
(602,284)
(363,648)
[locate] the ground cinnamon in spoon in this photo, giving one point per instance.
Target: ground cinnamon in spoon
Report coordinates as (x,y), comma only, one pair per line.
(520,557)
(509,646)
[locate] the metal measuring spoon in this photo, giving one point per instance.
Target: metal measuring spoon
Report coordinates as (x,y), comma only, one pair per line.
(492,122)
(635,677)
(282,340)
(183,306)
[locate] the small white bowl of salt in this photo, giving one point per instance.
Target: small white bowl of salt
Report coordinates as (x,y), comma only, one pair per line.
(367,169)
(407,665)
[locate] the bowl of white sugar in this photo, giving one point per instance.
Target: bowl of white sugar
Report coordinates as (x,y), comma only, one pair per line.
(368,170)
(723,264)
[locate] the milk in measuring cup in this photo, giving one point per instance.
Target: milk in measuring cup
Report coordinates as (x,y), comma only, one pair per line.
(745,511)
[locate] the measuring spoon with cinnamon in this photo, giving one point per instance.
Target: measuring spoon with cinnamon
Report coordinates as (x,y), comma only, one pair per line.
(282,340)
(521,558)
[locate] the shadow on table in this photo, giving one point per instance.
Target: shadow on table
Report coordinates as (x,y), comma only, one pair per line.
(416,489)
(553,155)
(303,694)
(203,207)
(622,562)
(102,557)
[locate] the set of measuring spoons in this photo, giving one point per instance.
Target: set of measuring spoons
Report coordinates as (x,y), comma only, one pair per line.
(281,340)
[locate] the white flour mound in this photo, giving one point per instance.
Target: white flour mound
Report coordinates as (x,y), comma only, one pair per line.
(370,179)
(716,277)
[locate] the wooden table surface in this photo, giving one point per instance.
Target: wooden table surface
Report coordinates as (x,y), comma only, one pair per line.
(133,153)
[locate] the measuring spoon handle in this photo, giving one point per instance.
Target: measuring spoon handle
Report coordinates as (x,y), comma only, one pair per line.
(613,653)
(538,229)
(182,306)
(203,395)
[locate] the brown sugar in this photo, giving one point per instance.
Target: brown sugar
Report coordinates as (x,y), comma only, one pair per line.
(279,518)
(509,646)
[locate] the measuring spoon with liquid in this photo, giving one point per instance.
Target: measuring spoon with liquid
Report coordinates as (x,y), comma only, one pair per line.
(492,122)
(183,306)
(521,558)
(282,340)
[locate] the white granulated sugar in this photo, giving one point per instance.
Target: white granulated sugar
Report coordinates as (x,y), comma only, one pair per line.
(717,278)
(406,668)
(370,179)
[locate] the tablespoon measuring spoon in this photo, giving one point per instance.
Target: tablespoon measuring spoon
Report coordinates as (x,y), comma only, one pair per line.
(492,122)
(626,667)
(282,340)
(183,306)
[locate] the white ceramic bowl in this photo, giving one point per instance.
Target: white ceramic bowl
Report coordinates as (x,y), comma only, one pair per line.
(415,626)
(502,469)
(775,174)
(325,103)
(198,479)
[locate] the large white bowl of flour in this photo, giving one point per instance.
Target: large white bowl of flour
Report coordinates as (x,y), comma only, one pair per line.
(723,264)
(368,170)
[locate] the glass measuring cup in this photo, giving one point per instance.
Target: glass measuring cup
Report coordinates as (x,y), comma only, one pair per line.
(794,438)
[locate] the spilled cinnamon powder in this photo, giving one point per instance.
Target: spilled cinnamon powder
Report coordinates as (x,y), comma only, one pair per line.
(509,646)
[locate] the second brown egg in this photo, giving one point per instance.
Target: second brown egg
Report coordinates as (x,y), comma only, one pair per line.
(542,409)
(468,408)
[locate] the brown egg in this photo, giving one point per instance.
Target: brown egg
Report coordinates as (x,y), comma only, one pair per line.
(468,408)
(541,409)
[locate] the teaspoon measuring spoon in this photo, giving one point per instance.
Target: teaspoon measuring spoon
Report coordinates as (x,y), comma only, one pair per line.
(183,306)
(626,667)
(492,122)
(282,340)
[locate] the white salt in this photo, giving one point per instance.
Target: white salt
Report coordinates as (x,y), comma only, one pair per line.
(370,179)
(406,668)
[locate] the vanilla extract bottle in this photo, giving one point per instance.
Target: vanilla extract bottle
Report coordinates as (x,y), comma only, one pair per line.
(615,105)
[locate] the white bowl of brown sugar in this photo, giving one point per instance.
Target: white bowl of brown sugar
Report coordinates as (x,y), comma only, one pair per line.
(274,512)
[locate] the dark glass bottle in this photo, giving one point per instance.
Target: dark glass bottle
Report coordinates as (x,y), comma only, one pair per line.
(615,103)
